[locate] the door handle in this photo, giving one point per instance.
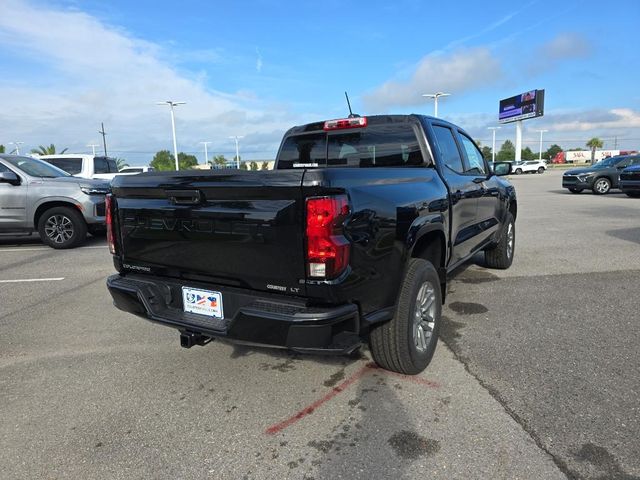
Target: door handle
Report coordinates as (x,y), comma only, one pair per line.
(184,197)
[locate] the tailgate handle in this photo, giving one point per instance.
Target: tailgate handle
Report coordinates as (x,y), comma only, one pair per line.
(184,197)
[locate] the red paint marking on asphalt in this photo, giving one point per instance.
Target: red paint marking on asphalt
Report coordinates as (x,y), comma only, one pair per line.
(278,427)
(309,409)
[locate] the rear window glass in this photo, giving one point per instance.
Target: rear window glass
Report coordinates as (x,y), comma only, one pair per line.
(375,146)
(69,165)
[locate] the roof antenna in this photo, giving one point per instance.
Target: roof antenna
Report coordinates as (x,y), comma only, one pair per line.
(351,114)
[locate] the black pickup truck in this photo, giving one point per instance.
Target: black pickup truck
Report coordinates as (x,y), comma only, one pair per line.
(349,239)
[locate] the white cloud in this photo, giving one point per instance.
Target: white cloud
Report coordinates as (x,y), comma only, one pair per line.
(458,72)
(90,72)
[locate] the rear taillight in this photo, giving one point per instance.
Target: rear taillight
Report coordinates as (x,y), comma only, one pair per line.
(110,217)
(327,247)
(344,123)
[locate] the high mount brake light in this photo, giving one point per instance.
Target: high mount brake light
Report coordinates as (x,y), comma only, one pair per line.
(327,248)
(345,123)
(110,217)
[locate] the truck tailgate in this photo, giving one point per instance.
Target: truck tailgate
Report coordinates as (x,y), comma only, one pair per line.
(235,228)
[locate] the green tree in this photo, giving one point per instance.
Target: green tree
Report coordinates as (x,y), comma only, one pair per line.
(507,152)
(243,166)
(50,150)
(552,151)
(1,148)
(264,166)
(164,160)
(594,143)
(486,153)
(121,163)
(219,161)
(527,154)
(253,166)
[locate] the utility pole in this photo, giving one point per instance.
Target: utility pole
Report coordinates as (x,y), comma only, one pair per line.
(236,138)
(541,132)
(93,147)
(173,127)
(518,141)
(206,156)
(493,148)
(435,97)
(104,138)
(17,144)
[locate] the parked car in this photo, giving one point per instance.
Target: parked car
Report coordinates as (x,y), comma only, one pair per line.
(630,180)
(85,166)
(36,196)
(529,166)
(135,170)
(349,239)
(599,177)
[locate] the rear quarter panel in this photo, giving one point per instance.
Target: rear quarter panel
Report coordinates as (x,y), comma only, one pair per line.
(391,209)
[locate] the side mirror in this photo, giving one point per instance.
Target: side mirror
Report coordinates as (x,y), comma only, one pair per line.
(9,177)
(501,168)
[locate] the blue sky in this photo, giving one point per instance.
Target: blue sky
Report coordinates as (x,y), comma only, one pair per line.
(256,68)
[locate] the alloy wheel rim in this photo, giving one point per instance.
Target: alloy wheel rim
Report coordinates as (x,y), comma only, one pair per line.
(424,316)
(602,186)
(510,240)
(59,228)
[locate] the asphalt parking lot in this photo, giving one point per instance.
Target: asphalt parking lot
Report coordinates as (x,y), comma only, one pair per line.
(536,377)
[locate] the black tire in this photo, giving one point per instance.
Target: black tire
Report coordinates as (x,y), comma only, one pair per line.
(575,190)
(633,194)
(500,256)
(394,344)
(540,170)
(62,227)
(601,186)
(518,171)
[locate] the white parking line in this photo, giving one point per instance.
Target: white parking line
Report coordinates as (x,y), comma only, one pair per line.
(18,249)
(23,280)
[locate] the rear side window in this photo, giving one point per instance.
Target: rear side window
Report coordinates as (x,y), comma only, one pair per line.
(100,165)
(448,148)
(69,165)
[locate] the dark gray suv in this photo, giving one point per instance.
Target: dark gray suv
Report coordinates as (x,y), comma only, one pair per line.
(599,177)
(36,196)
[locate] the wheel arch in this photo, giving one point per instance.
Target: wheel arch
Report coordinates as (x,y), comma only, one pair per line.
(431,245)
(46,205)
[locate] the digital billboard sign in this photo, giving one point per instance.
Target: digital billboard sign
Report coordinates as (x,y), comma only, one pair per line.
(520,107)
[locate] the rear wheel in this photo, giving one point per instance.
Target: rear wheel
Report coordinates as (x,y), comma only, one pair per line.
(62,227)
(540,170)
(601,186)
(518,171)
(575,190)
(501,256)
(407,343)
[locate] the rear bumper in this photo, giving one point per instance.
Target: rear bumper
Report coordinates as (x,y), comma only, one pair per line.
(251,317)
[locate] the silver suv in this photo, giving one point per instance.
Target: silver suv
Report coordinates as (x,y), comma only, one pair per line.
(36,196)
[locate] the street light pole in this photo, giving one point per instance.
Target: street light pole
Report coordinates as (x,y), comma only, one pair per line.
(493,148)
(206,155)
(540,155)
(93,147)
(17,144)
(435,97)
(173,127)
(236,138)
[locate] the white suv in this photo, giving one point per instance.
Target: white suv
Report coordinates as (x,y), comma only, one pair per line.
(529,166)
(84,166)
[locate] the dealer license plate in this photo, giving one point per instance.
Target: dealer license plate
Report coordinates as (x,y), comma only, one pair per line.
(202,302)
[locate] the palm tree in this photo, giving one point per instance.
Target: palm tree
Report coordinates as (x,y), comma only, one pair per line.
(50,150)
(594,144)
(121,163)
